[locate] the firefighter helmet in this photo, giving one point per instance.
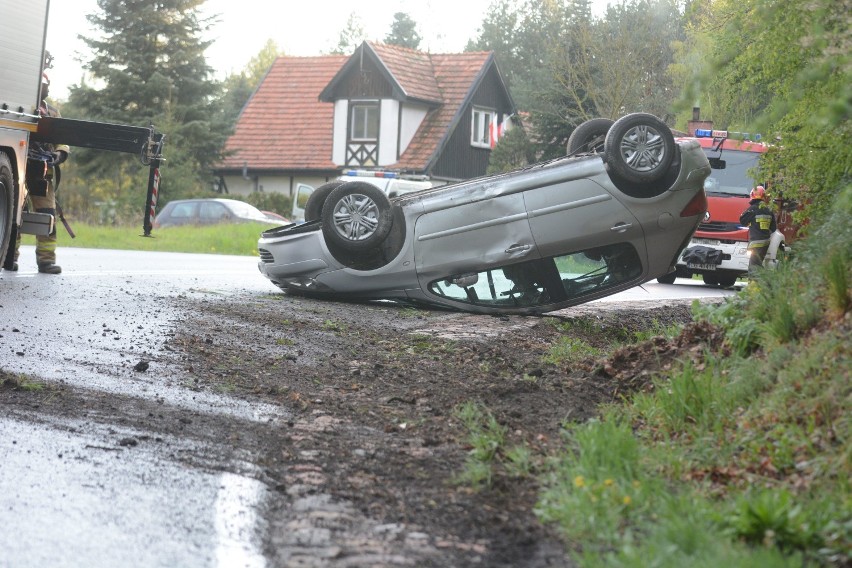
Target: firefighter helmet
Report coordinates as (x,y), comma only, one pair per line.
(758,193)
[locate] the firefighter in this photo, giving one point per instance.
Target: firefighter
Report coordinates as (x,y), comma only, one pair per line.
(42,196)
(760,221)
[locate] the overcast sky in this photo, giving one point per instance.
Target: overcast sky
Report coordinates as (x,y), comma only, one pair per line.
(298,27)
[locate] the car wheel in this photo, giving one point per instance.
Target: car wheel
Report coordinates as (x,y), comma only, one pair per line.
(313,208)
(668,278)
(710,279)
(357,217)
(639,148)
(726,281)
(589,136)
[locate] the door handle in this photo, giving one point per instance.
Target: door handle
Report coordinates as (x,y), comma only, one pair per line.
(620,227)
(517,248)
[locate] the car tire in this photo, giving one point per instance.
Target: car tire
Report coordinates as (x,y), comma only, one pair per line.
(356,217)
(710,279)
(7,208)
(668,278)
(640,148)
(589,136)
(313,207)
(726,280)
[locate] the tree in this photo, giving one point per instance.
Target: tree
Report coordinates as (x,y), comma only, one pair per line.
(783,70)
(239,87)
(351,36)
(513,151)
(609,67)
(149,67)
(403,32)
(520,34)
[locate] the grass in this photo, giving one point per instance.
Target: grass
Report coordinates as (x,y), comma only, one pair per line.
(22,382)
(489,449)
(742,460)
(231,239)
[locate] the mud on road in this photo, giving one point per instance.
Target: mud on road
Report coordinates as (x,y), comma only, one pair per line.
(363,470)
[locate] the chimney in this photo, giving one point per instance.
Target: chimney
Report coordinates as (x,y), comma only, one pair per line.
(696,122)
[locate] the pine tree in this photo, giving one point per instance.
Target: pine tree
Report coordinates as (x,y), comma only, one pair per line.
(403,32)
(148,67)
(351,36)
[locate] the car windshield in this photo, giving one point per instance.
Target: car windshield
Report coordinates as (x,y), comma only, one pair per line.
(545,281)
(735,178)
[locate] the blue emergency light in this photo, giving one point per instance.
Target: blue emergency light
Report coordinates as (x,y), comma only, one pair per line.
(705,133)
(367,173)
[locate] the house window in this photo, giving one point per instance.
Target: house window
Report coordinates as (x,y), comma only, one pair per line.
(480,135)
(365,121)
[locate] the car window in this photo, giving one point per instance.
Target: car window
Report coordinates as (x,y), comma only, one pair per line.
(544,281)
(183,211)
(244,209)
(212,211)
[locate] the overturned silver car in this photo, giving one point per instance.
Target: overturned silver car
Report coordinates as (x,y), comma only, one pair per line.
(614,213)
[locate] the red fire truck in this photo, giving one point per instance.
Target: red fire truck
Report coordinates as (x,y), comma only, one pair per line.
(718,250)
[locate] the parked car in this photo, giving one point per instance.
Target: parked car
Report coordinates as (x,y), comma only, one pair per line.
(209,211)
(545,237)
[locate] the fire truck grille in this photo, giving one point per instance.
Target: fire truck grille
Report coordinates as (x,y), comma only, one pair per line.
(718,227)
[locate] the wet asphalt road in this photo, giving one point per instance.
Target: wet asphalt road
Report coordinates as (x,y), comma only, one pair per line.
(70,493)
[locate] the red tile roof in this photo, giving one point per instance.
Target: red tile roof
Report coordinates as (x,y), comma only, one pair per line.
(285,127)
(412,70)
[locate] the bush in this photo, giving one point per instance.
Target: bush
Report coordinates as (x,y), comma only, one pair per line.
(275,202)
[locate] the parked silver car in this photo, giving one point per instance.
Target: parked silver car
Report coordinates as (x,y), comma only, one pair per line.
(210,211)
(545,237)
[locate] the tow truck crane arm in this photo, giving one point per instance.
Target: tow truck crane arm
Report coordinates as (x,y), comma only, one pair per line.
(144,142)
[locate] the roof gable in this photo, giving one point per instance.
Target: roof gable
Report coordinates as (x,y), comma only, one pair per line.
(288,122)
(408,71)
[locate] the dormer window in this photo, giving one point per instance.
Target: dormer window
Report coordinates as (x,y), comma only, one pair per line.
(364,124)
(480,135)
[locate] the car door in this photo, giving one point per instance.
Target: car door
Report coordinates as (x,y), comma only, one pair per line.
(580,214)
(472,236)
(303,192)
(183,213)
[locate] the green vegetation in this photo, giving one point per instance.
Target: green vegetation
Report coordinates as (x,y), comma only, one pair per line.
(570,349)
(22,382)
(487,440)
(334,326)
(236,239)
(741,459)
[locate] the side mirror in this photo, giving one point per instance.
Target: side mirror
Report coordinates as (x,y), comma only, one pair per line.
(717,163)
